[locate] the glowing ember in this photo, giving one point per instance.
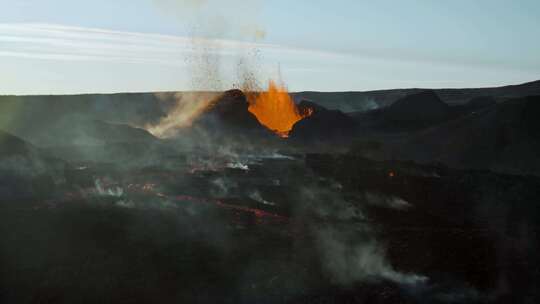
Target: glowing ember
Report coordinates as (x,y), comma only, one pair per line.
(275,109)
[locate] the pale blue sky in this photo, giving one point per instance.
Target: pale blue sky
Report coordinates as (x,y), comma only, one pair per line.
(67,46)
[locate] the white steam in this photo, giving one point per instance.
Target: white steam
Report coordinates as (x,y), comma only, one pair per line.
(387,201)
(256,196)
(352,256)
(112,191)
(347,244)
(238,165)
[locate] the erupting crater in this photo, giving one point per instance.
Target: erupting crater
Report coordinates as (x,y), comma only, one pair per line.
(275,109)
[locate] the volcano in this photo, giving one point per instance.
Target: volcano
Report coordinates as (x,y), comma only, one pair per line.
(260,112)
(229,112)
(276,110)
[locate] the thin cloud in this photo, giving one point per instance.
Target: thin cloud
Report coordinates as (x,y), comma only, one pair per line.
(58,42)
(29,53)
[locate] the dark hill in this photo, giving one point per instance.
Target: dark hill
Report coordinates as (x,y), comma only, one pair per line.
(127,108)
(369,100)
(25,171)
(322,124)
(54,120)
(231,110)
(421,108)
(73,130)
(480,102)
(12,145)
(502,137)
(229,114)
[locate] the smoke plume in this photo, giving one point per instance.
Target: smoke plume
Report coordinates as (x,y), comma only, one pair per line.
(348,246)
(208,21)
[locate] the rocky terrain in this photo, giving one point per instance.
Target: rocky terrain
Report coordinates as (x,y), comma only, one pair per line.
(429,197)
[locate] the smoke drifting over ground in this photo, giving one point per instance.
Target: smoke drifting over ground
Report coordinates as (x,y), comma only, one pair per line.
(211,205)
(352,255)
(240,217)
(347,243)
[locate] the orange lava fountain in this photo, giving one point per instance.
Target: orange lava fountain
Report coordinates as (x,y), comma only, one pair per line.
(275,109)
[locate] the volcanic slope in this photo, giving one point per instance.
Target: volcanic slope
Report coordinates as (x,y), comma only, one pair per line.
(369,100)
(502,137)
(25,171)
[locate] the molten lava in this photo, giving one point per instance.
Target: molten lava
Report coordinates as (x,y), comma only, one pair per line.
(275,109)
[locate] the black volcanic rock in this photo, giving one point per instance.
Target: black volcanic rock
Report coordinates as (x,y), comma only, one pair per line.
(124,108)
(502,137)
(12,145)
(474,105)
(79,139)
(25,171)
(530,116)
(114,133)
(480,102)
(417,112)
(229,112)
(421,108)
(66,120)
(80,131)
(15,148)
(370,100)
(322,124)
(15,151)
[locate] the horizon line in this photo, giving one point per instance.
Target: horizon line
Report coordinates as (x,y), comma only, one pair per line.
(291,92)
